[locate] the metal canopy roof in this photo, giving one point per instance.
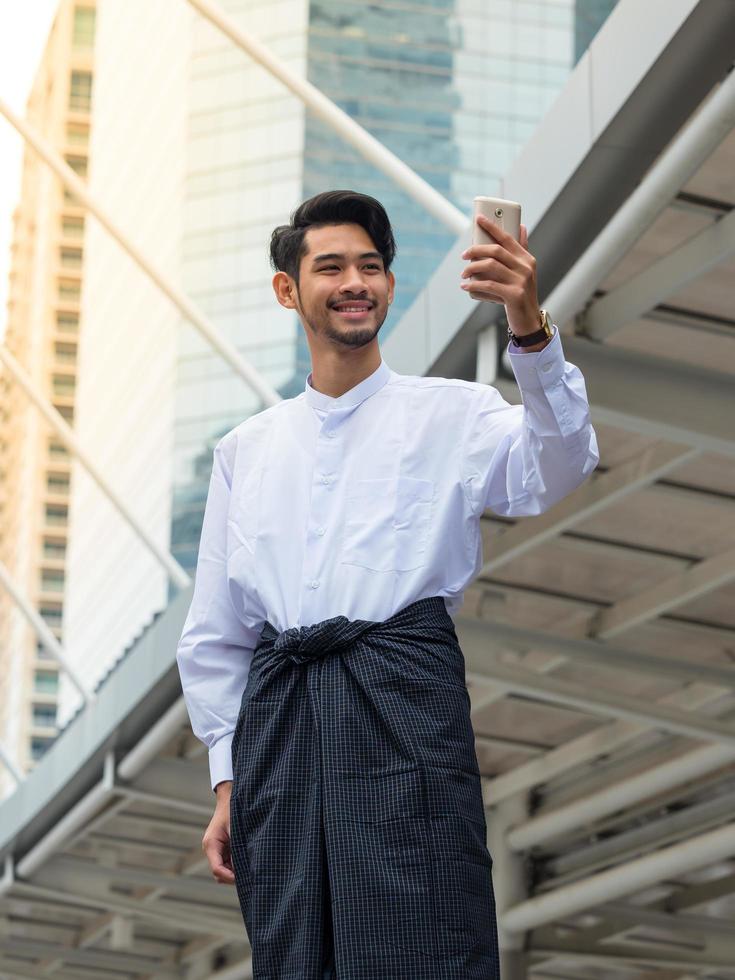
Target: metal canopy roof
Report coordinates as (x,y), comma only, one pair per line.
(599,638)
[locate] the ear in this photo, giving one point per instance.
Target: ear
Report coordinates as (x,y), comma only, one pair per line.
(285,289)
(391,286)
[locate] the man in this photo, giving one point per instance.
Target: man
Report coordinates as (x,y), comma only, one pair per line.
(319,660)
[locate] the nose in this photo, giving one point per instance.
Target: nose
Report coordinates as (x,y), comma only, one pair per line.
(353,282)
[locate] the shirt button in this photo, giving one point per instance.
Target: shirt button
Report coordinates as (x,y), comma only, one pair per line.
(315,583)
(546,367)
(320,530)
(325,479)
(330,434)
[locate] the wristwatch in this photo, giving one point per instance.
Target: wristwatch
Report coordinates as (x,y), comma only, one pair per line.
(545,333)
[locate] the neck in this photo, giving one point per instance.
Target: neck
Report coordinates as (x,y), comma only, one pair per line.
(333,372)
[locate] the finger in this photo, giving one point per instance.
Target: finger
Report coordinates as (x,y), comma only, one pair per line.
(479,289)
(497,252)
(217,865)
(499,234)
(487,268)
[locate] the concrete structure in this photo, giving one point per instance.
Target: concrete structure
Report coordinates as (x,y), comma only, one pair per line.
(44,328)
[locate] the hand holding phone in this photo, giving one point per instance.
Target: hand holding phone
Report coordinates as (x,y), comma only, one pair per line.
(505,214)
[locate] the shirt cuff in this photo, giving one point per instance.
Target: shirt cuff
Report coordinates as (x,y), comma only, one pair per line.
(220,759)
(538,368)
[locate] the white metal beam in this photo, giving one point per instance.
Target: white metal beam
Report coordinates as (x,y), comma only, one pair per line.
(600,491)
(170,914)
(338,120)
(84,809)
(629,954)
(695,144)
(183,304)
(64,431)
(592,745)
(44,634)
(702,577)
(650,402)
(625,879)
(639,295)
(481,637)
(619,795)
(604,703)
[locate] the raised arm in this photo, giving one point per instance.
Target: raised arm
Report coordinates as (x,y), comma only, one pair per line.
(519,460)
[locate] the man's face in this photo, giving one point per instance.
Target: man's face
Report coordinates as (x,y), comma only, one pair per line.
(344,292)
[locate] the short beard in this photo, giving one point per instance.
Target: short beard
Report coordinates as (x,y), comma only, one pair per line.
(354,339)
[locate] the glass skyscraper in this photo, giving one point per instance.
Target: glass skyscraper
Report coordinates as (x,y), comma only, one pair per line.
(589,16)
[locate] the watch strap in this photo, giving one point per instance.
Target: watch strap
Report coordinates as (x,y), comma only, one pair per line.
(545,333)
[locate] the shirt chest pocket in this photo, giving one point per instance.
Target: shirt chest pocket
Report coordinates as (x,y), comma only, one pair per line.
(387,523)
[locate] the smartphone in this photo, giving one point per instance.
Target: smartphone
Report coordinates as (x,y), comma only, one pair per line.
(507,214)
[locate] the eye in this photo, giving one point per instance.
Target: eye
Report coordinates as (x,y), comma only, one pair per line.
(326,268)
(373,265)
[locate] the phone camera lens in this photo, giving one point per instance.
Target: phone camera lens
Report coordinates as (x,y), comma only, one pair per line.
(498,212)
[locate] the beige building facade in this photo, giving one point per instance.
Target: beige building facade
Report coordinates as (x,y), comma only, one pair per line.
(43,333)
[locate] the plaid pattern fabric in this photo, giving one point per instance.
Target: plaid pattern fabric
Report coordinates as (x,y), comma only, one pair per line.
(357,826)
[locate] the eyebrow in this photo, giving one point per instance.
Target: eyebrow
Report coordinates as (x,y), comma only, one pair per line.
(341,255)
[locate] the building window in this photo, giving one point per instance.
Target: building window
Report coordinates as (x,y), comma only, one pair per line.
(77,133)
(72,227)
(70,258)
(45,681)
(83,34)
(63,385)
(80,92)
(54,548)
(51,615)
(52,580)
(58,482)
(67,322)
(57,514)
(70,289)
(65,352)
(44,714)
(57,450)
(39,747)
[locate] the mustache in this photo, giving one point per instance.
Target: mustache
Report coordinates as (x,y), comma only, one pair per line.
(353,299)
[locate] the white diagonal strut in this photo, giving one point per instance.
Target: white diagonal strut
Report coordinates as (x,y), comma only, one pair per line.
(603,490)
(68,437)
(180,300)
(625,879)
(346,127)
(44,633)
(685,586)
(636,297)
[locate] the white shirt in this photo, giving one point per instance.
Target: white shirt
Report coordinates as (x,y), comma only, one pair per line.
(362,504)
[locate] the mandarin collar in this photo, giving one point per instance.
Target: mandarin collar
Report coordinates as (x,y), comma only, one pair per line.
(352,398)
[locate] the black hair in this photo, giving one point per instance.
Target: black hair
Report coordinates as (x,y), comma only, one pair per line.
(287,246)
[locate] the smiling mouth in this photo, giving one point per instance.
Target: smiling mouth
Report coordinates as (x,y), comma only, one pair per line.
(353,311)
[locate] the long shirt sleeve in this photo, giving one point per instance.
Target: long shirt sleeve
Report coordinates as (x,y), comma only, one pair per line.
(361,504)
(216,647)
(519,460)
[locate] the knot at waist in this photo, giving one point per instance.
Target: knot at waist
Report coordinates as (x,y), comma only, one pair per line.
(302,644)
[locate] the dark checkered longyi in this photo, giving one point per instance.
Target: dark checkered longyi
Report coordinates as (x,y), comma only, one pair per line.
(356,819)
